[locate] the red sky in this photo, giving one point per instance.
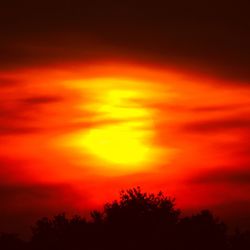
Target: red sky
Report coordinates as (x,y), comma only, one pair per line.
(97,96)
(73,136)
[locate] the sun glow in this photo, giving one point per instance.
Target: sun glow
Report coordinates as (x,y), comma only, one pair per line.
(92,129)
(119,144)
(123,131)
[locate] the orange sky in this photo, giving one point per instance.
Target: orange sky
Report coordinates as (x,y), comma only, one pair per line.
(71,137)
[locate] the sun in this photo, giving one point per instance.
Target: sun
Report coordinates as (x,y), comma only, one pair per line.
(123,145)
(121,135)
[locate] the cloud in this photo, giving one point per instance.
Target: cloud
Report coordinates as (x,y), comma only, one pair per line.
(36,100)
(236,176)
(215,108)
(217,125)
(14,130)
(188,34)
(14,119)
(19,115)
(9,82)
(28,193)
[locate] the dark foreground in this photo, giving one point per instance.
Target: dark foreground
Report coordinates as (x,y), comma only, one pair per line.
(137,221)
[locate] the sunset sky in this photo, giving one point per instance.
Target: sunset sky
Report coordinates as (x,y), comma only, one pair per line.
(102,96)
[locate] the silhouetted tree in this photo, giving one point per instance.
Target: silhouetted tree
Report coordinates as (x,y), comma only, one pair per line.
(203,231)
(139,207)
(141,219)
(11,242)
(138,220)
(59,232)
(240,240)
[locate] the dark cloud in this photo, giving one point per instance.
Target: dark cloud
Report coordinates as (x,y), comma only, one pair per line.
(236,176)
(211,36)
(28,193)
(216,108)
(221,124)
(17,115)
(14,119)
(201,108)
(12,129)
(40,100)
(12,123)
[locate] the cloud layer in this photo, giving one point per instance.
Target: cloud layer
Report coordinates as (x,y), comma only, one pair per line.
(210,37)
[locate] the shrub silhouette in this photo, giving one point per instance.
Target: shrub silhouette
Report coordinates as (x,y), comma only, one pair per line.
(138,220)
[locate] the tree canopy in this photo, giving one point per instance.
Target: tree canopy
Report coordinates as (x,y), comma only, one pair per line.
(138,220)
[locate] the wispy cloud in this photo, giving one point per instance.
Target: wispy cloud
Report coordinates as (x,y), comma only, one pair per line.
(229,175)
(220,124)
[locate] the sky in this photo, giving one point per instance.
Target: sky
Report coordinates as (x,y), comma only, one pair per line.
(100,96)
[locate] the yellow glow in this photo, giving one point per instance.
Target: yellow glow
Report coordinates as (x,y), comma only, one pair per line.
(118,104)
(118,144)
(121,136)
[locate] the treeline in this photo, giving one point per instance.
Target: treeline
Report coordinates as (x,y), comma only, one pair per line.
(137,221)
